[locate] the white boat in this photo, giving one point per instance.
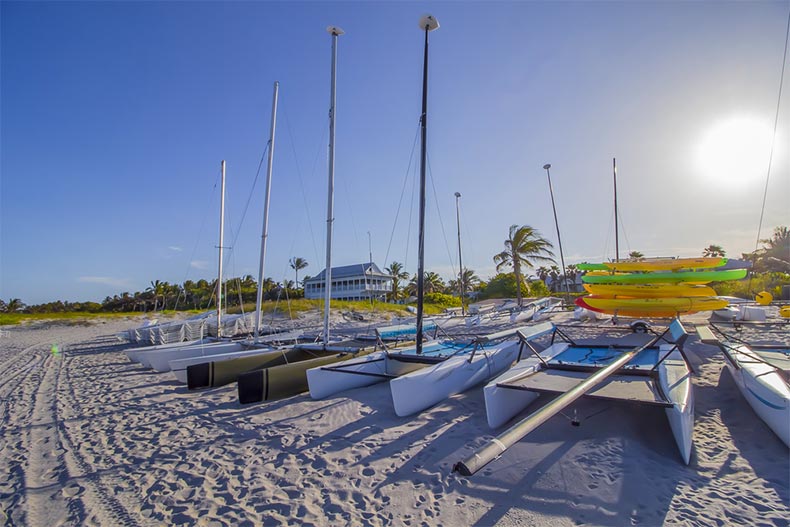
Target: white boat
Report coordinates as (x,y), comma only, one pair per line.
(532,309)
(489,356)
(450,367)
(657,376)
(761,374)
(160,360)
(136,354)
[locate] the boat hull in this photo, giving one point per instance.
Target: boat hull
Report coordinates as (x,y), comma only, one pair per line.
(416,391)
(358,372)
(160,360)
(675,380)
(285,380)
(179,366)
(222,372)
(763,388)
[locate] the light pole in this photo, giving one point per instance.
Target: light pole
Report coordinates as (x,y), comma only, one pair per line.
(461,284)
(546,167)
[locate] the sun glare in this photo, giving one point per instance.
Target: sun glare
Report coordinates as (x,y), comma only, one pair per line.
(734,152)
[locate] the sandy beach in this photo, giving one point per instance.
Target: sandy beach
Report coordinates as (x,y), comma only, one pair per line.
(90,438)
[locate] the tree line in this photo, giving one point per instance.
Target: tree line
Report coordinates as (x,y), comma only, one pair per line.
(519,274)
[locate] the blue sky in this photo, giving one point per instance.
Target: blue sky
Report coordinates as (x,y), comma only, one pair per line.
(115,117)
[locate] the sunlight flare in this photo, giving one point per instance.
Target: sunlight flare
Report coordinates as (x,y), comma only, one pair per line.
(734,152)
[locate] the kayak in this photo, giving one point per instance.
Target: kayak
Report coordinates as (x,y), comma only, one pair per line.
(651,307)
(656,264)
(692,277)
(648,290)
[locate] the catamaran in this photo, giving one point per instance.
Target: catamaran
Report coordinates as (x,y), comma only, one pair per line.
(207,350)
(428,372)
(647,373)
(762,374)
(284,374)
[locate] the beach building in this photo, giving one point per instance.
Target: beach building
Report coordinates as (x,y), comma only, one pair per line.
(351,282)
(574,284)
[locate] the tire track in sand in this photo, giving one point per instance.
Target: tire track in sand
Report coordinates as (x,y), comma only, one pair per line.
(101,502)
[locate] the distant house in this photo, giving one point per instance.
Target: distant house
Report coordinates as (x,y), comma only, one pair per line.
(351,282)
(573,285)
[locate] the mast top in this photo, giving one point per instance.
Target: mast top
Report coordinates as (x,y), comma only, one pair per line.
(429,23)
(335,31)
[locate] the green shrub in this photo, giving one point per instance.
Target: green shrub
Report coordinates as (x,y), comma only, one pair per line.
(442,300)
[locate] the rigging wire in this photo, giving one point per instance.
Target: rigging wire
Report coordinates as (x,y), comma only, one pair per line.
(773,139)
(402,192)
(439,213)
(301,181)
(200,232)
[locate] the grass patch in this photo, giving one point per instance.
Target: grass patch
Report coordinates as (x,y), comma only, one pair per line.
(12,319)
(298,305)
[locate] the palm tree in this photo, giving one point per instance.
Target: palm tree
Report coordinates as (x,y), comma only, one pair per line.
(297,264)
(635,255)
(523,246)
(775,253)
(469,279)
(395,270)
(157,289)
(713,251)
(432,283)
(15,305)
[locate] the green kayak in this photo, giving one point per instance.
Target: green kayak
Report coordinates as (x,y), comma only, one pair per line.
(697,277)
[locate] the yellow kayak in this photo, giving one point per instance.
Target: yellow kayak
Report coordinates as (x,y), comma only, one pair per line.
(653,307)
(649,290)
(656,264)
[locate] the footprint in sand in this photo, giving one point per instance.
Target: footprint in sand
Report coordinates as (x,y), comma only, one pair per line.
(72,491)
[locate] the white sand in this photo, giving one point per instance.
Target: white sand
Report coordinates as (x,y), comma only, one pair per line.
(89,438)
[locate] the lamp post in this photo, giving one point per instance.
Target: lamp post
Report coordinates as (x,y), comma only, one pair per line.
(462,283)
(546,167)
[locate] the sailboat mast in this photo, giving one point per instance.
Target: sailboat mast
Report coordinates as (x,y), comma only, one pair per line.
(221,245)
(265,228)
(461,277)
(616,234)
(427,23)
(335,32)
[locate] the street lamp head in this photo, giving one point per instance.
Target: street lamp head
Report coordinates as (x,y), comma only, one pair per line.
(428,23)
(334,31)
(546,166)
(457,194)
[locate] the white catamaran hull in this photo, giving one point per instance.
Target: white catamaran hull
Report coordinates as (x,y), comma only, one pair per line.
(503,404)
(356,373)
(764,389)
(134,354)
(426,387)
(675,381)
(161,362)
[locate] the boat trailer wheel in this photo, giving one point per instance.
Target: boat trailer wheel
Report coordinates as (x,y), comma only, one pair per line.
(640,326)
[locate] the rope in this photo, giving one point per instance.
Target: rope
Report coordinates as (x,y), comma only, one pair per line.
(400,201)
(773,139)
(200,233)
(301,182)
(441,223)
